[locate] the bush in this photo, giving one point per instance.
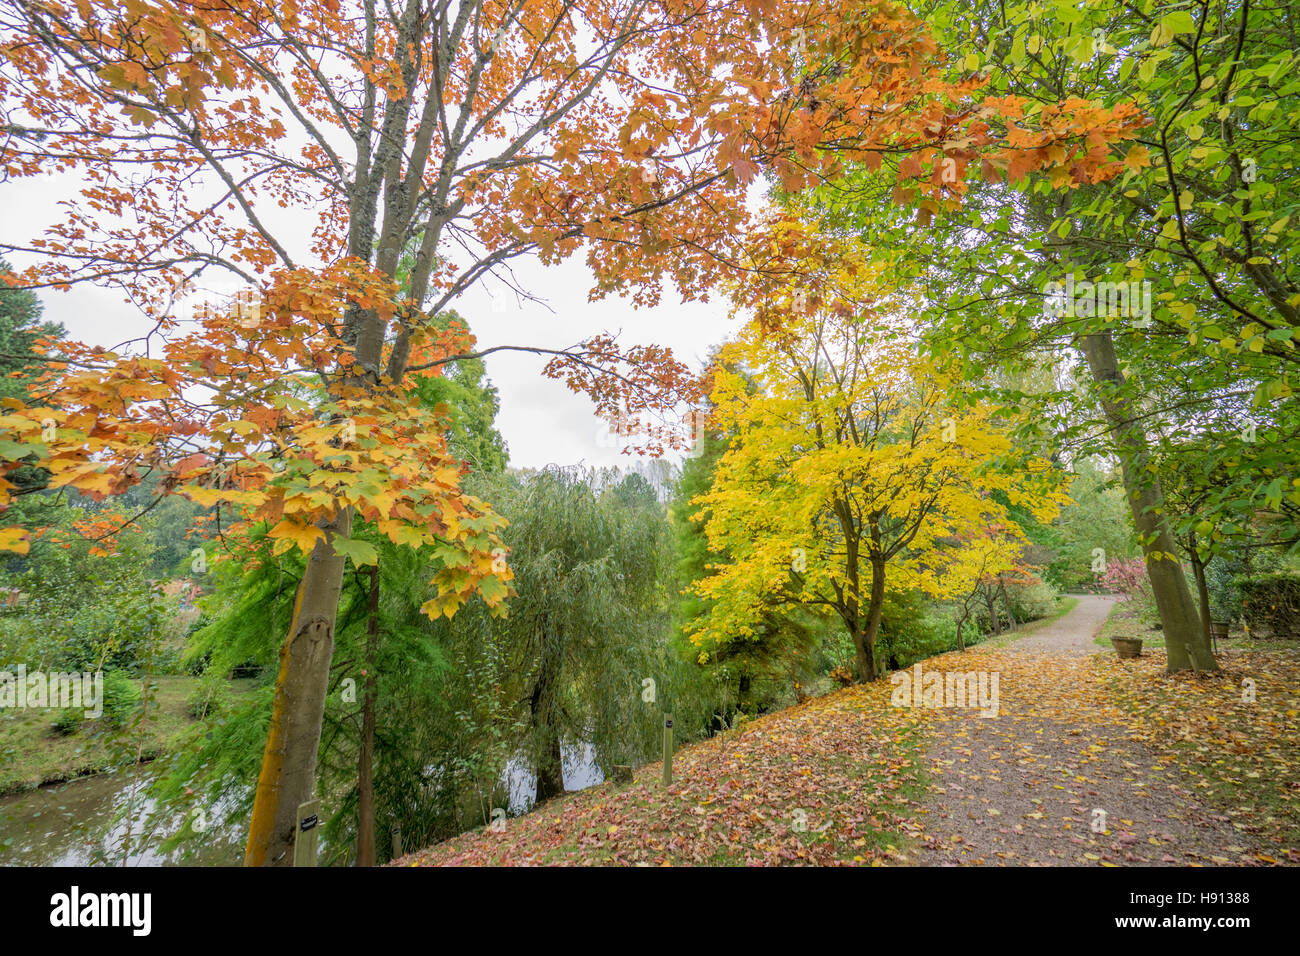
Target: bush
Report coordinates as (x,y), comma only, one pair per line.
(1272,602)
(910,632)
(1032,601)
(68,721)
(1221,577)
(121,697)
(1224,573)
(83,611)
(211,698)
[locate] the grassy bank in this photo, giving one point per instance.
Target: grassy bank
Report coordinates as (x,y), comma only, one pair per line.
(833,781)
(1125,620)
(32,753)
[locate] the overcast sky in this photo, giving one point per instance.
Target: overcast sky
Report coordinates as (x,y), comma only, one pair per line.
(541,420)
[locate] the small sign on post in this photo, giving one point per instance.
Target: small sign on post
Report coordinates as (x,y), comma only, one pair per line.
(668,749)
(305,835)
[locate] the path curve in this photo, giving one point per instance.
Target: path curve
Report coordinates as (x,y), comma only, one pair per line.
(1043,783)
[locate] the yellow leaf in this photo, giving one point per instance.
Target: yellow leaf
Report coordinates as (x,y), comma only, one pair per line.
(15,539)
(290,533)
(1137,158)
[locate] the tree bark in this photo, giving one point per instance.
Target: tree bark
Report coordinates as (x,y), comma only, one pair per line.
(1186,646)
(365,761)
(288,775)
(550,775)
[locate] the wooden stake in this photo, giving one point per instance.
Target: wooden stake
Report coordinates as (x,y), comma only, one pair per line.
(305,835)
(668,749)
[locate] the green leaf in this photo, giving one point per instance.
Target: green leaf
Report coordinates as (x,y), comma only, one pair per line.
(15,450)
(361,552)
(1180,21)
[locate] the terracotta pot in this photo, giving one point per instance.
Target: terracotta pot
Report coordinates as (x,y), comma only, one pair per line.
(1127,647)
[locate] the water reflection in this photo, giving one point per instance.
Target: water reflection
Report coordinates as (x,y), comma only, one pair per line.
(84,822)
(578,763)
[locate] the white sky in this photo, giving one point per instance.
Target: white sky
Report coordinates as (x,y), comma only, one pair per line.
(541,420)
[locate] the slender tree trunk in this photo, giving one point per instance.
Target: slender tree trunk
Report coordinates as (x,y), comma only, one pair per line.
(1202,592)
(851,602)
(995,619)
(365,762)
(550,764)
(288,775)
(866,672)
(1006,599)
(1186,645)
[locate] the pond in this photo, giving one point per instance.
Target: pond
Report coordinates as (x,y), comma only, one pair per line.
(83,822)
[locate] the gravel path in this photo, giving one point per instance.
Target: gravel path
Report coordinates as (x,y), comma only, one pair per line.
(1035,784)
(1070,635)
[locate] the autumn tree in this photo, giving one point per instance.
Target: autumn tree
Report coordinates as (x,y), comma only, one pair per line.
(21,328)
(1203,365)
(746,669)
(429,144)
(851,464)
(972,567)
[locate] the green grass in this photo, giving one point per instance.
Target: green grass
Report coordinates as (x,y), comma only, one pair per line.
(33,754)
(1125,621)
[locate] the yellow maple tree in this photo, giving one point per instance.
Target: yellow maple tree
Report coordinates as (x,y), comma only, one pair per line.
(854,466)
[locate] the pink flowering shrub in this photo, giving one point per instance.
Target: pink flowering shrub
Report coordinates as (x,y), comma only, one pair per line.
(1126,576)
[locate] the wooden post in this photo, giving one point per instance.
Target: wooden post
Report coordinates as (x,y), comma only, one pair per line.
(668,749)
(305,835)
(397,840)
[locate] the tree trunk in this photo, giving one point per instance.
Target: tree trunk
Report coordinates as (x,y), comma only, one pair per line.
(550,764)
(365,761)
(550,775)
(864,634)
(1186,645)
(1006,599)
(866,671)
(288,775)
(995,619)
(1202,591)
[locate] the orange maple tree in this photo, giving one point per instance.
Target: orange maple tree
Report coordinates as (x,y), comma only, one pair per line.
(429,144)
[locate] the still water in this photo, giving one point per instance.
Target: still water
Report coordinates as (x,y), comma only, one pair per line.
(84,822)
